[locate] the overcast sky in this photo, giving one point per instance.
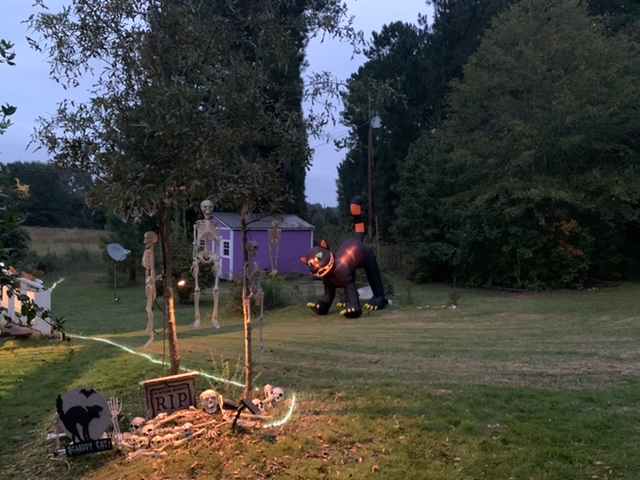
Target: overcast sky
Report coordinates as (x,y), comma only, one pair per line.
(27,85)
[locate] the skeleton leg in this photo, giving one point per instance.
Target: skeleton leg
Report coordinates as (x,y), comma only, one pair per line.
(195,270)
(216,298)
(151,298)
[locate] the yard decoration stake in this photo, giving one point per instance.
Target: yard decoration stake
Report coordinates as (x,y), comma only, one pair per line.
(246,307)
(206,241)
(337,270)
(149,264)
(254,284)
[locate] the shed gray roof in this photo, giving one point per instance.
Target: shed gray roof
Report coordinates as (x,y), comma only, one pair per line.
(287,222)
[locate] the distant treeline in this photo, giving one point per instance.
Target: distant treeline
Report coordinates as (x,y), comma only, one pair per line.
(509,150)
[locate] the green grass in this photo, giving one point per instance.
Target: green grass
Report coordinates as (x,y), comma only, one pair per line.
(508,386)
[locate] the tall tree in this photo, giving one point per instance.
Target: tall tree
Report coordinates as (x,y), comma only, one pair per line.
(187,106)
(406,80)
(532,181)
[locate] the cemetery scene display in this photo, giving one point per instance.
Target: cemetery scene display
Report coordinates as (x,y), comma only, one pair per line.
(89,424)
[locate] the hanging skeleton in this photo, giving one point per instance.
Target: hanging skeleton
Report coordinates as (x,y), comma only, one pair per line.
(255,294)
(205,253)
(149,264)
(274,246)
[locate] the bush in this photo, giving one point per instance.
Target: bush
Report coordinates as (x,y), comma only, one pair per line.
(276,294)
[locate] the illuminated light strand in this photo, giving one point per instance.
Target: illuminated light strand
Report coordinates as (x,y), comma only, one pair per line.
(286,418)
(155,361)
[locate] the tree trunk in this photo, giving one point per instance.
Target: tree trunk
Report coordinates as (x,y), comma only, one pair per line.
(169,290)
(246,309)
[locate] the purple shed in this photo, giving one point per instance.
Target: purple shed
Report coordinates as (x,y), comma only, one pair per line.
(295,241)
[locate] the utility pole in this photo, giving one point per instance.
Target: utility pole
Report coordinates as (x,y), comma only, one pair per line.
(370,214)
(374,122)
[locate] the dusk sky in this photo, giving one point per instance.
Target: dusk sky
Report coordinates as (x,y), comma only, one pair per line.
(27,85)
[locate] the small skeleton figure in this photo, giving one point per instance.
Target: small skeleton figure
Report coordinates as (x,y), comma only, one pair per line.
(206,241)
(254,286)
(149,264)
(274,246)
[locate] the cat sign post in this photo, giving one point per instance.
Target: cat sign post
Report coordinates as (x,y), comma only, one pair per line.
(85,416)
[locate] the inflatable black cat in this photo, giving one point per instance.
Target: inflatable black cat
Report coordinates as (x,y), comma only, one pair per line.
(338,270)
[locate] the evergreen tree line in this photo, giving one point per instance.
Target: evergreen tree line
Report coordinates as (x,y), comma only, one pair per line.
(510,141)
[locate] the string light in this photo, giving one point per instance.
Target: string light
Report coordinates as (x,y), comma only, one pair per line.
(155,361)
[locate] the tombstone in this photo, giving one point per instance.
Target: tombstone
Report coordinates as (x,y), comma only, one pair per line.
(168,394)
(85,416)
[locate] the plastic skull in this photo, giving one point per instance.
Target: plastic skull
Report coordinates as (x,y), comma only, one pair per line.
(209,401)
(136,424)
(277,394)
(157,441)
(147,430)
(187,429)
(258,403)
(206,207)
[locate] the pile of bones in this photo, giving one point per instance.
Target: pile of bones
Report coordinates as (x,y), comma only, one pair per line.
(153,437)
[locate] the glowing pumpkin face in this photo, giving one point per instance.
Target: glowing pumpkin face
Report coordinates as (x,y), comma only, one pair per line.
(319,260)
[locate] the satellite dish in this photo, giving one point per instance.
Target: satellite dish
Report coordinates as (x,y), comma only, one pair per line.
(117,252)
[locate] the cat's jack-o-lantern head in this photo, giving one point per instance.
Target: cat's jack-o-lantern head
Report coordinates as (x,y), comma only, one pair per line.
(320,260)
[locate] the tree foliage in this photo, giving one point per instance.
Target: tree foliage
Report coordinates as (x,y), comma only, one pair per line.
(405,80)
(533,179)
(7,55)
(197,99)
(57,196)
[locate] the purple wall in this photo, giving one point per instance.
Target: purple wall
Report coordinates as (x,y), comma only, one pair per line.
(293,244)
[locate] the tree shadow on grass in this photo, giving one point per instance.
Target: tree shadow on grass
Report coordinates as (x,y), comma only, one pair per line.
(29,408)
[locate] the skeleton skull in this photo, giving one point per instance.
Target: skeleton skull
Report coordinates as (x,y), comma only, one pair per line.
(136,424)
(157,441)
(209,401)
(258,403)
(187,430)
(147,430)
(277,394)
(206,207)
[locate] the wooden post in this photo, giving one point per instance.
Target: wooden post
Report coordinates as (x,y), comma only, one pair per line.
(246,309)
(169,290)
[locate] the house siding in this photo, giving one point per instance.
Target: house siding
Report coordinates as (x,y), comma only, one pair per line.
(293,245)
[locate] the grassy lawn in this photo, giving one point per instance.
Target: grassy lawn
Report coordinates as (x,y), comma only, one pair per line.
(508,386)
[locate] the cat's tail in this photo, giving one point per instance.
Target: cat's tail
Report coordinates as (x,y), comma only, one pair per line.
(59,407)
(357,213)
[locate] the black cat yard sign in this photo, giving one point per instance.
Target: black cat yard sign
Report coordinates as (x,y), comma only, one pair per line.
(85,416)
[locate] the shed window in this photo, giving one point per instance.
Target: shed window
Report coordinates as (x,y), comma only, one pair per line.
(225,248)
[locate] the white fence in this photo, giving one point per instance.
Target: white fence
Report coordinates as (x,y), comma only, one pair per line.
(12,306)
